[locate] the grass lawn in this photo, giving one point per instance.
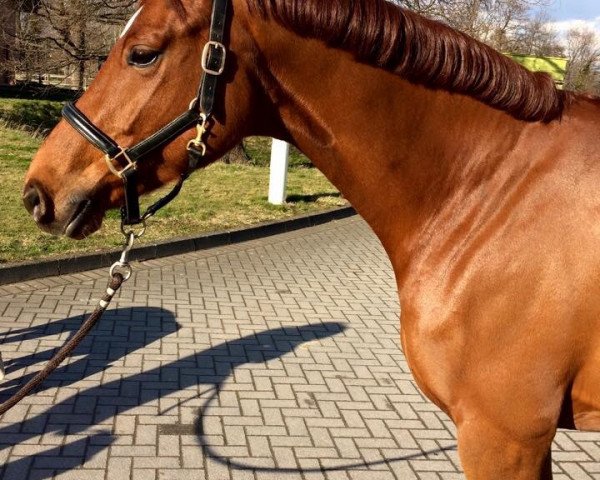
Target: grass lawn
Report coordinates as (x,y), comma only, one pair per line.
(220,197)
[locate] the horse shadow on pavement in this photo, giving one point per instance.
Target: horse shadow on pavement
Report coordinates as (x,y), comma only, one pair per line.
(121,332)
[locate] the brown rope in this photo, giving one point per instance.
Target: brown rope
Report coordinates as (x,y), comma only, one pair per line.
(113,287)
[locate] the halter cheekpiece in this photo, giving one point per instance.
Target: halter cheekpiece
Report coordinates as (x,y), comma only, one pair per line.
(123,162)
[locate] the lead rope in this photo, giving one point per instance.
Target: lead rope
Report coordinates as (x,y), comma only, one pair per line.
(120,272)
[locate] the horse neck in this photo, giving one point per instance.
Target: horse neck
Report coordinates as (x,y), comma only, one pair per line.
(400,153)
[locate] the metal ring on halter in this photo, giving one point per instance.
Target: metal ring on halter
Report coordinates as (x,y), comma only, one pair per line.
(130,232)
(122,265)
(122,268)
(122,154)
(146,216)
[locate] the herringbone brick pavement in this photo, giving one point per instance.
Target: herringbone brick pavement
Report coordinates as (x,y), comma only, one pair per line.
(273,359)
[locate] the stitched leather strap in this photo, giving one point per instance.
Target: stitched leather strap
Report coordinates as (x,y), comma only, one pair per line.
(166,134)
(208,85)
(90,132)
(131,208)
(107,145)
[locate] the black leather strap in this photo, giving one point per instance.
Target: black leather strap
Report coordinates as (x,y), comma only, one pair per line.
(107,145)
(90,132)
(168,198)
(131,213)
(169,132)
(218,21)
(208,85)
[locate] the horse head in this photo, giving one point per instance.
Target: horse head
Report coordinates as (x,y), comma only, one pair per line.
(150,77)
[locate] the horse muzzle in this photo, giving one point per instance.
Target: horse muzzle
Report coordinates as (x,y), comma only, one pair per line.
(77,218)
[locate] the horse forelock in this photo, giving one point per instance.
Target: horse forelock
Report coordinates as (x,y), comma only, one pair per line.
(423,51)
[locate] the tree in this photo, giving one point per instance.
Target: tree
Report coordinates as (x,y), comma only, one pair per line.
(54,35)
(507,25)
(537,38)
(237,154)
(8,26)
(583,50)
(425,7)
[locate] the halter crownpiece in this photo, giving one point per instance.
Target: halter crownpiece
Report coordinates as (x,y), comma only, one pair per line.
(123,162)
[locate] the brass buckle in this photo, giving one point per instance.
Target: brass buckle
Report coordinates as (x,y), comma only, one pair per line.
(198,142)
(122,154)
(198,147)
(206,53)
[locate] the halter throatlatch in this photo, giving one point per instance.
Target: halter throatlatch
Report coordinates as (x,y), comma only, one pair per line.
(123,162)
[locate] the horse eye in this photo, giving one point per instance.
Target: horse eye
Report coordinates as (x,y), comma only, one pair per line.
(140,57)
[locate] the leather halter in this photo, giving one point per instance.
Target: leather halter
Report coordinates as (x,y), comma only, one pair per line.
(123,162)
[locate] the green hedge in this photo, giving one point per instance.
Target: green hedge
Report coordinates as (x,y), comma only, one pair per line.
(259,151)
(37,91)
(32,115)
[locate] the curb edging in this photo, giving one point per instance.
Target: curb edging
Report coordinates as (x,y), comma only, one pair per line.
(24,271)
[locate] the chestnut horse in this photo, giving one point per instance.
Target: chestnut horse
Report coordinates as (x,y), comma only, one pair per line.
(480,179)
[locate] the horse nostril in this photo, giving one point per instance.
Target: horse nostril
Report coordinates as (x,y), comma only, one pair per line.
(35,203)
(31,198)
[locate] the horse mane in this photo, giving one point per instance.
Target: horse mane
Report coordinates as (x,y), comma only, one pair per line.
(423,51)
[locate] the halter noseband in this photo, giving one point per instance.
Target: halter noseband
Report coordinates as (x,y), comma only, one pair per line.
(123,162)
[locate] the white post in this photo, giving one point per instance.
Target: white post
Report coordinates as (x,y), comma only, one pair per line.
(279,166)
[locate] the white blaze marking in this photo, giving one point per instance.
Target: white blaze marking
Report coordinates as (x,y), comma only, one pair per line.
(131,22)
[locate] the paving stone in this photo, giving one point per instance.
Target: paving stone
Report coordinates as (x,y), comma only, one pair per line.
(272,359)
